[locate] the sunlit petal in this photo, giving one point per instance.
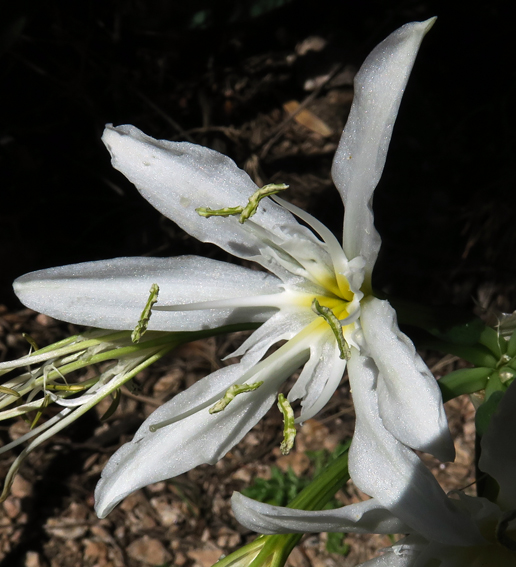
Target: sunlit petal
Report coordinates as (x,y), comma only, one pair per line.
(111,294)
(179,177)
(320,376)
(410,401)
(364,517)
(196,437)
(392,473)
(360,157)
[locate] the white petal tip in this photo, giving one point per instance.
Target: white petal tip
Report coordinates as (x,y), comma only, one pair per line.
(429,23)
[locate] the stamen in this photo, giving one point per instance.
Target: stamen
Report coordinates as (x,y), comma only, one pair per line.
(231,394)
(141,326)
(46,401)
(117,394)
(327,314)
(340,262)
(250,209)
(289,428)
(31,341)
(206,212)
(9,391)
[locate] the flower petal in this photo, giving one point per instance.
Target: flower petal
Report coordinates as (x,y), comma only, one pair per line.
(192,435)
(178,177)
(498,456)
(111,294)
(365,517)
(393,474)
(360,157)
(283,325)
(197,437)
(409,398)
(320,376)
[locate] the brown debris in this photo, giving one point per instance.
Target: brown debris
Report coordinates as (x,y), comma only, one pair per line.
(148,550)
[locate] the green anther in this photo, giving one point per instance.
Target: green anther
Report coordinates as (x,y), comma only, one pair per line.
(46,401)
(289,428)
(231,394)
(71,388)
(250,209)
(254,200)
(31,341)
(329,316)
(9,391)
(227,212)
(141,326)
(114,405)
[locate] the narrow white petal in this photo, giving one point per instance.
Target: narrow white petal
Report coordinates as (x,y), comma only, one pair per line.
(283,325)
(339,262)
(360,157)
(320,377)
(178,177)
(111,294)
(364,517)
(409,398)
(498,456)
(193,436)
(197,437)
(392,473)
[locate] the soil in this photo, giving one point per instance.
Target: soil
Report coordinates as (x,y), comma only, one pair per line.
(227,75)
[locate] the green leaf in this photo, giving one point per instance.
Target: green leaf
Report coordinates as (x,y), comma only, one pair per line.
(464,381)
(511,346)
(485,412)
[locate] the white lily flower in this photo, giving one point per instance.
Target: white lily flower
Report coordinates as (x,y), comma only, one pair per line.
(309,269)
(443,531)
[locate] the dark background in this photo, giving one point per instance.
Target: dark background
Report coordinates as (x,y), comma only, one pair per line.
(191,70)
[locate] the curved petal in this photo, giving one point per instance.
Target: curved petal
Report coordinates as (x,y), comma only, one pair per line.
(319,378)
(178,177)
(283,325)
(410,401)
(498,456)
(111,294)
(364,517)
(194,438)
(393,474)
(360,157)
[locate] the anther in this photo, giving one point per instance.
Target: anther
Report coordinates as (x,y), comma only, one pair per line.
(250,209)
(329,316)
(231,394)
(141,326)
(289,428)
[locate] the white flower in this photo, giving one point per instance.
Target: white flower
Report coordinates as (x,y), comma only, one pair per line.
(461,531)
(198,293)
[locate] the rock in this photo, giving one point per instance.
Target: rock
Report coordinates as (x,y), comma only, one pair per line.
(205,557)
(21,487)
(148,550)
